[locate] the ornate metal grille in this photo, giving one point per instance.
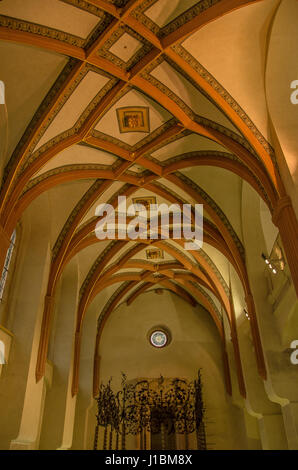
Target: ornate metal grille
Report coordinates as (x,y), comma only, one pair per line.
(159,406)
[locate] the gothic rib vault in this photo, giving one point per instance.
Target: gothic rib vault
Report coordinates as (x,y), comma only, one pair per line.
(97,57)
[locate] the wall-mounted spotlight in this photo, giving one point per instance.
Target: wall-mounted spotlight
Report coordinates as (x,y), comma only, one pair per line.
(271,263)
(246,314)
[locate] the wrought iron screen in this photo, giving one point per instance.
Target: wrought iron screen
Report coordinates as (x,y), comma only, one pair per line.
(163,407)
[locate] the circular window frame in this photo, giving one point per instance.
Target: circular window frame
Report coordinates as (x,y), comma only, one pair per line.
(161,329)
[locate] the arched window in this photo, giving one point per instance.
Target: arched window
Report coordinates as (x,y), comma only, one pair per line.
(6,264)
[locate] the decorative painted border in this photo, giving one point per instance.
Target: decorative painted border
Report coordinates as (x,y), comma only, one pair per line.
(167,142)
(53,92)
(182,72)
(139,15)
(85,6)
(212,153)
(157,132)
(110,301)
(40,30)
(147,199)
(198,153)
(139,175)
(112,140)
(186,16)
(120,192)
(216,271)
(119,3)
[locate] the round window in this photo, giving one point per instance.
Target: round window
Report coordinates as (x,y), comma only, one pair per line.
(158,339)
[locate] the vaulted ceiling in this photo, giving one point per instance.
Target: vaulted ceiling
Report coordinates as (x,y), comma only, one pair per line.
(71,65)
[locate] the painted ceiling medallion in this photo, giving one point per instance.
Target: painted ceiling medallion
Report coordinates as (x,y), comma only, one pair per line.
(133,119)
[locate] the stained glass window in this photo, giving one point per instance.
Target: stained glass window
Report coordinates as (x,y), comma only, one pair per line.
(7,264)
